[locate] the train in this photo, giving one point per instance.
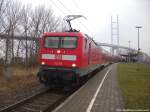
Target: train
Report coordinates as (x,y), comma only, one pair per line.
(68,57)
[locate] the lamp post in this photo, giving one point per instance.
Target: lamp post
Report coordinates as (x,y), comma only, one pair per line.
(138,27)
(129,51)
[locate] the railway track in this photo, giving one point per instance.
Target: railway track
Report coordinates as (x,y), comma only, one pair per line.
(40,102)
(43,101)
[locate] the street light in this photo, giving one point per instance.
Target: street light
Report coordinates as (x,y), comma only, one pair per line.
(138,27)
(129,51)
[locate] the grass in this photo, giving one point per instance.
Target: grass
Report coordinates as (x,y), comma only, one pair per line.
(19,77)
(135,85)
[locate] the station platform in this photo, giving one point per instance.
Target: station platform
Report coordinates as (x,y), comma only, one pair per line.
(100,94)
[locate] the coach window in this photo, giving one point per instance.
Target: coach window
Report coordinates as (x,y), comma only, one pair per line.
(85,43)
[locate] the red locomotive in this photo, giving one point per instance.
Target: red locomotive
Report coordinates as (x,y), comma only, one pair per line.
(66,57)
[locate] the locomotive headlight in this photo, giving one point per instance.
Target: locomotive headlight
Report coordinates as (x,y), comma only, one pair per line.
(58,51)
(42,63)
(73,65)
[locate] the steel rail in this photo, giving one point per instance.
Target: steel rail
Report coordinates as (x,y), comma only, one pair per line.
(24,100)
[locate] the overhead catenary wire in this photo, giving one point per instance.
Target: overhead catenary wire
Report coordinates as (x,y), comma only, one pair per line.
(64,6)
(76,5)
(58,7)
(80,11)
(71,13)
(60,10)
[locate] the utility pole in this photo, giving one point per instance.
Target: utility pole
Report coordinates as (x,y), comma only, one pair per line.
(138,27)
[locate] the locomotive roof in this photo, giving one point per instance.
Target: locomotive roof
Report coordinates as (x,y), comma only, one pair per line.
(63,34)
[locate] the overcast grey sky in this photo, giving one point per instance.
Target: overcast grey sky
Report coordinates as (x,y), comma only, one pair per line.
(99,12)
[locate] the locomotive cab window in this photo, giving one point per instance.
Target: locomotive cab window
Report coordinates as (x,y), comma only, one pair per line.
(68,42)
(52,42)
(61,42)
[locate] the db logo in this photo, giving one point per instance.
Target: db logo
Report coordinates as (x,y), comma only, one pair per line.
(58,57)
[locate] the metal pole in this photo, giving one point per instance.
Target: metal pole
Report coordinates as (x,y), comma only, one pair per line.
(138,27)
(138,68)
(111,30)
(117,30)
(112,34)
(118,34)
(138,41)
(129,52)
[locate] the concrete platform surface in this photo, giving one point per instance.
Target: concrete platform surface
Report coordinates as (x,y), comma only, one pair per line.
(100,94)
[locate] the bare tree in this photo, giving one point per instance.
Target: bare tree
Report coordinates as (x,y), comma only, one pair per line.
(42,20)
(13,14)
(3,6)
(50,22)
(16,19)
(25,23)
(37,20)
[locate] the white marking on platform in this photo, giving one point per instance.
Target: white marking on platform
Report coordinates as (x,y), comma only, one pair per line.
(96,93)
